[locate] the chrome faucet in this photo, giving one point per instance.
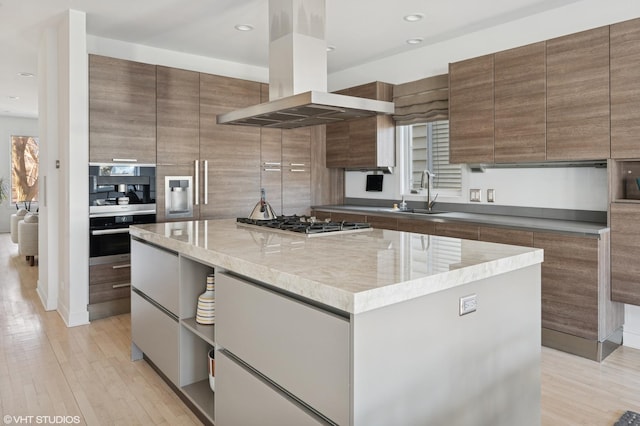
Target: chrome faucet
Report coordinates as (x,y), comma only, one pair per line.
(425,183)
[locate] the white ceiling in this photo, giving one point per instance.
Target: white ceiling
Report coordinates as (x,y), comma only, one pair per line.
(361,30)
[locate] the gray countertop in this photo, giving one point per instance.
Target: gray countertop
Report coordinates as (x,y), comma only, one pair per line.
(514,222)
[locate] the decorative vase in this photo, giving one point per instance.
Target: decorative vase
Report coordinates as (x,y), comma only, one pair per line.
(206,311)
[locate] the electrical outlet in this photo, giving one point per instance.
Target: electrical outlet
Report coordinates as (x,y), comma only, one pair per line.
(468,304)
(491,195)
(475,195)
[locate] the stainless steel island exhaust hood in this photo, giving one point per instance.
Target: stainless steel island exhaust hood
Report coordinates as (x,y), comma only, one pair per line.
(298,74)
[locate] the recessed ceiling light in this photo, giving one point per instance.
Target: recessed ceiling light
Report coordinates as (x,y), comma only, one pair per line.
(13,98)
(414,17)
(331,48)
(416,40)
(244,27)
(26,74)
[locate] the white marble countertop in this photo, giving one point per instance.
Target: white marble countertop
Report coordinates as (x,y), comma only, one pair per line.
(353,272)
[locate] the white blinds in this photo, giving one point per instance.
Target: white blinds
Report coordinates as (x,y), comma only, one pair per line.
(434,156)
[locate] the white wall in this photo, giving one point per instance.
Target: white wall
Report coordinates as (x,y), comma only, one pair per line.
(582,188)
(10,126)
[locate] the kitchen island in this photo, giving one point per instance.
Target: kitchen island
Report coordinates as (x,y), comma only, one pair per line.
(365,328)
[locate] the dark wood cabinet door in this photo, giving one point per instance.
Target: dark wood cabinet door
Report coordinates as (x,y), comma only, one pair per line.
(625,89)
(178,116)
(625,252)
(296,171)
(122,111)
(578,96)
(231,153)
(471,129)
(570,286)
(520,104)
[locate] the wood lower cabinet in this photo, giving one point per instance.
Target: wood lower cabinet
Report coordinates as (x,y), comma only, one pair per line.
(520,104)
(471,118)
(578,125)
(122,111)
(514,237)
(417,226)
(348,217)
(570,284)
(457,230)
(109,289)
(625,252)
(383,222)
(625,89)
(231,153)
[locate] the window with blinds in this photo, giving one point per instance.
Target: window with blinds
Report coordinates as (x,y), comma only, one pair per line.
(429,150)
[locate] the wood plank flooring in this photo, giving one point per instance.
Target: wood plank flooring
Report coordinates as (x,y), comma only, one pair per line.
(47,369)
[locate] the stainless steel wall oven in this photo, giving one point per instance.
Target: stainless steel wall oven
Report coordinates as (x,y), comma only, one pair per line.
(120,195)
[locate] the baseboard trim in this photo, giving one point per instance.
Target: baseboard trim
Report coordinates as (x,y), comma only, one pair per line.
(586,348)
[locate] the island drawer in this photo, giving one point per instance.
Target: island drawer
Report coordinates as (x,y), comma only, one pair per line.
(243,398)
(302,348)
(155,272)
(157,335)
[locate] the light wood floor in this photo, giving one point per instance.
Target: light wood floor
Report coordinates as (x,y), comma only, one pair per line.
(47,369)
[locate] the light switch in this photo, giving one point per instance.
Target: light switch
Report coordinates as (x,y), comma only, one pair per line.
(475,195)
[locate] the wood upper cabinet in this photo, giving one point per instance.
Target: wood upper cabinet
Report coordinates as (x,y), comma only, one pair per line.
(520,104)
(471,129)
(625,252)
(365,142)
(570,284)
(122,111)
(578,96)
(178,115)
(271,160)
(232,152)
(178,129)
(296,171)
(625,89)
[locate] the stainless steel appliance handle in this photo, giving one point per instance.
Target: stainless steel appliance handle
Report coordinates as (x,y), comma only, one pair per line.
(121,285)
(110,231)
(125,160)
(206,182)
(128,265)
(196,189)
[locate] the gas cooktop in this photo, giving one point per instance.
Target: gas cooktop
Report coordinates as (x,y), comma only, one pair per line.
(306,225)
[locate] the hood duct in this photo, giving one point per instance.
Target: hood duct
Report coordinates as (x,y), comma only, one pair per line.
(298,74)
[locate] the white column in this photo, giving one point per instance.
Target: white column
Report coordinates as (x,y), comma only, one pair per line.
(631,336)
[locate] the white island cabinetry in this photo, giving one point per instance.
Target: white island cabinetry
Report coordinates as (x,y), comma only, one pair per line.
(356,329)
